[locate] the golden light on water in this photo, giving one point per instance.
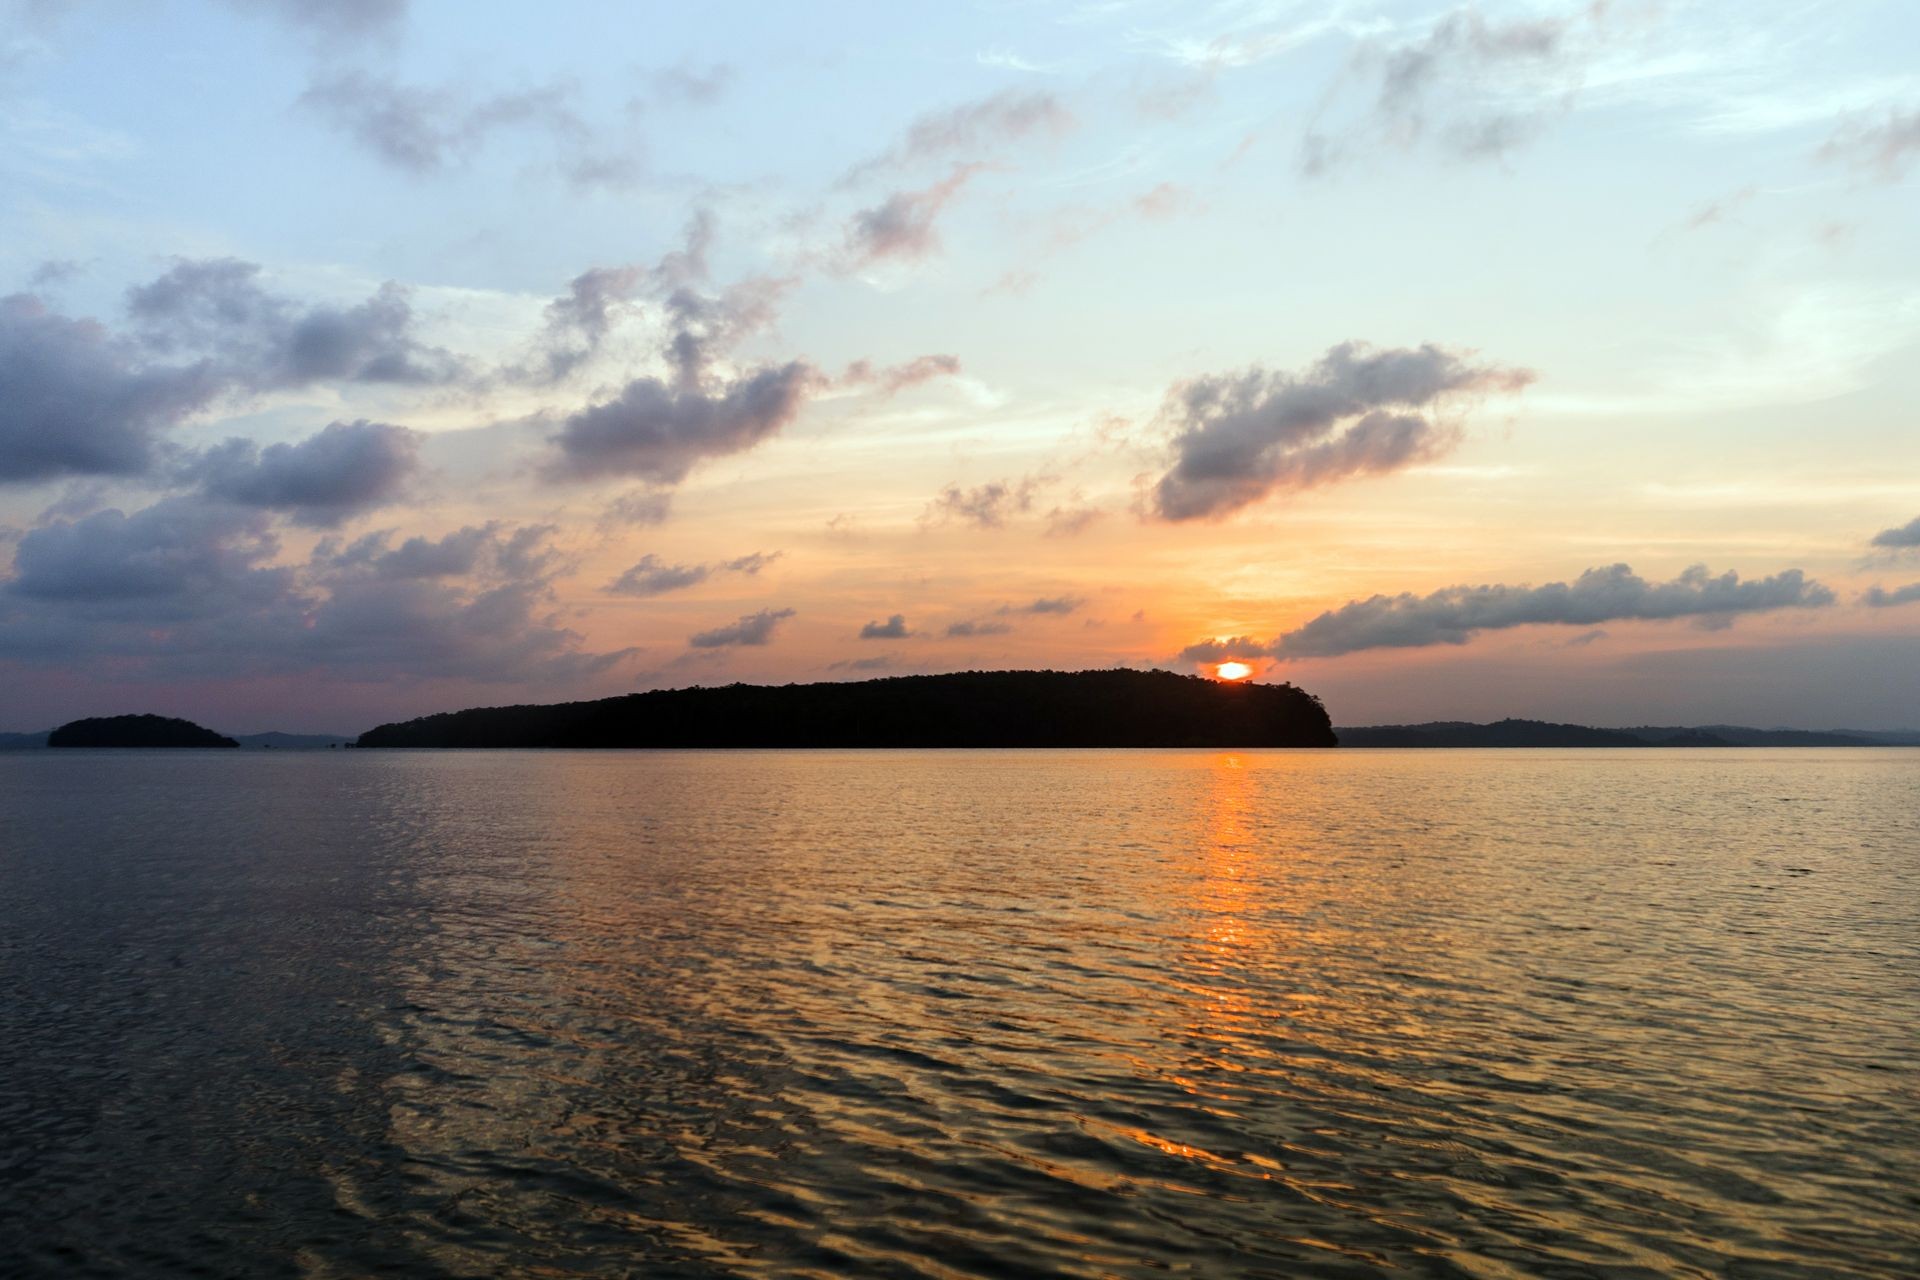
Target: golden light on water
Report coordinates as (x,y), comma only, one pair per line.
(1233,671)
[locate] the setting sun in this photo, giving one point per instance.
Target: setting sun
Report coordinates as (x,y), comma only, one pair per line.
(1233,671)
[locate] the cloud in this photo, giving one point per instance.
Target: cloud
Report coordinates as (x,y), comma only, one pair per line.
(1881,598)
(1476,88)
(970,628)
(578,322)
(340,471)
(1219,650)
(652,576)
(1883,147)
(334,20)
(971,129)
(879,662)
(987,506)
(413,614)
(452,555)
(685,84)
(424,131)
(750,629)
(901,227)
(1454,615)
(1066,522)
(262,341)
(1906,535)
(661,432)
(78,401)
(177,559)
(894,628)
(751,563)
(189,588)
(898,377)
(649,506)
(1055,604)
(659,428)
(54,271)
(1244,436)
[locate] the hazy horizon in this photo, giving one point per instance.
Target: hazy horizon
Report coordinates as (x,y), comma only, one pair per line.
(1451,361)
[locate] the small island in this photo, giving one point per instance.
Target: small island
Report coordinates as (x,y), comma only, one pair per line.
(136,731)
(1120,708)
(1539,733)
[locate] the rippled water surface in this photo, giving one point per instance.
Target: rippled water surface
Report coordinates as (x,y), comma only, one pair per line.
(952,1014)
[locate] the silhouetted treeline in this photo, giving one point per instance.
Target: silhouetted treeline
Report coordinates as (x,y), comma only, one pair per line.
(968,709)
(1538,733)
(136,731)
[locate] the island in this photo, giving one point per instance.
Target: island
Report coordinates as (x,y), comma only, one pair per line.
(1118,708)
(1540,733)
(136,731)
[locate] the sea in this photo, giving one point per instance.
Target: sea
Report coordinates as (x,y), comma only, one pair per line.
(1594,1013)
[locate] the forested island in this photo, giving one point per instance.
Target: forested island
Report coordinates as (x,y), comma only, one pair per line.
(136,731)
(1120,708)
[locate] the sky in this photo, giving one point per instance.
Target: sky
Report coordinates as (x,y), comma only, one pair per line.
(361,359)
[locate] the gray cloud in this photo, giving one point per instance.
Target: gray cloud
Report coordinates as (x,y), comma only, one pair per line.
(660,428)
(1475,88)
(1881,598)
(188,588)
(53,271)
(1454,615)
(661,432)
(685,84)
(987,506)
(177,559)
(1243,436)
(901,227)
(424,131)
(652,576)
(453,555)
(412,614)
(750,629)
(263,341)
(1906,535)
(1883,147)
(894,628)
(343,469)
(1055,604)
(751,563)
(78,401)
(1219,650)
(703,326)
(969,628)
(333,20)
(649,506)
(578,322)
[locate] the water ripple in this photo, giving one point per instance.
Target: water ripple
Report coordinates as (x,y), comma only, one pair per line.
(961,1014)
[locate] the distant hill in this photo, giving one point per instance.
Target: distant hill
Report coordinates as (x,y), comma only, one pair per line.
(136,731)
(22,741)
(292,741)
(1539,733)
(968,709)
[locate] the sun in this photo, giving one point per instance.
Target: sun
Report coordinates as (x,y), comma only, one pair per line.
(1233,671)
